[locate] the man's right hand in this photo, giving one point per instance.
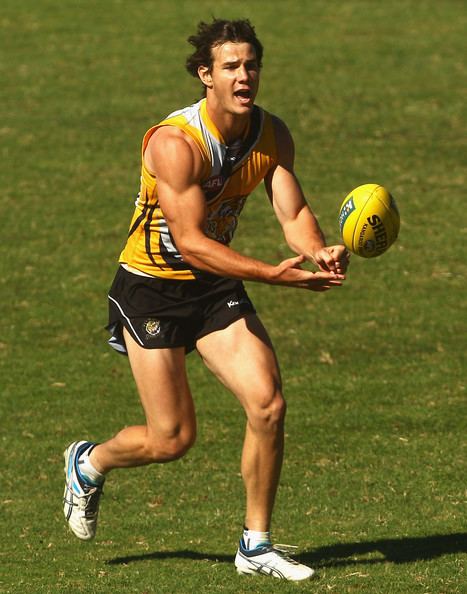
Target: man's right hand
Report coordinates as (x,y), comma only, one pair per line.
(290,273)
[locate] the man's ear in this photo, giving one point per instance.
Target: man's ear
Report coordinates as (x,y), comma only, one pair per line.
(205,75)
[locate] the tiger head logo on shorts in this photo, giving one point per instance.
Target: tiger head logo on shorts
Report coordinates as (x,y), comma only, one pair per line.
(152,328)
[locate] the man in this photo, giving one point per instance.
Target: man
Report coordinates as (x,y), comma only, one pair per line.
(179,287)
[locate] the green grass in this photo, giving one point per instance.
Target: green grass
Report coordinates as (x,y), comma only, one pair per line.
(373,488)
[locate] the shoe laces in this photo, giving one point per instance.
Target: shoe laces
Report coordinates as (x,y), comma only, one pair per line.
(283,549)
(89,502)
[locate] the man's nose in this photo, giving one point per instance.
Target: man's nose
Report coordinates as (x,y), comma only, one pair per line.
(242,73)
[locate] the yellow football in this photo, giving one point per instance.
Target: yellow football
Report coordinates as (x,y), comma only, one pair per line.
(369,220)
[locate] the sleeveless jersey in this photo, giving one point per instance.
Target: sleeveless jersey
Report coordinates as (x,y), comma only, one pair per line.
(230,174)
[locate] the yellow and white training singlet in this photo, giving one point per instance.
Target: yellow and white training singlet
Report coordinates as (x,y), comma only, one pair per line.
(230,174)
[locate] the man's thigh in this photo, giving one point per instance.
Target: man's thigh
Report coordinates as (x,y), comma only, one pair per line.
(160,376)
(243,359)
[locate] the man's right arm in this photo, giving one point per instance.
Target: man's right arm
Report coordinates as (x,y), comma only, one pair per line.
(176,161)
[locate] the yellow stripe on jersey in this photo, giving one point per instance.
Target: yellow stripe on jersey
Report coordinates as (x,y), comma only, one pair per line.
(230,174)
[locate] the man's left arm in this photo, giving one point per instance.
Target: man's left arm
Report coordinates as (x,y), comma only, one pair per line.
(300,227)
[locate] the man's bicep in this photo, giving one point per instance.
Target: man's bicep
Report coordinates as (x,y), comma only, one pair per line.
(176,164)
(182,205)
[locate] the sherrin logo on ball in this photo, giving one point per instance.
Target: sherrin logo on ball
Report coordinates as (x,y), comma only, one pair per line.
(369,220)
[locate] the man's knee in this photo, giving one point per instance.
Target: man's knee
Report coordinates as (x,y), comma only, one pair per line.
(170,445)
(268,412)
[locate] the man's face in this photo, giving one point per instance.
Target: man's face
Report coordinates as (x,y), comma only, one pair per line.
(234,79)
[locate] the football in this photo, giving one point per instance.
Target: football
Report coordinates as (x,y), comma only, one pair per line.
(369,220)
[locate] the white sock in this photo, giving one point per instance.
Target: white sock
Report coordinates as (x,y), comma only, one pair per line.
(87,470)
(255,538)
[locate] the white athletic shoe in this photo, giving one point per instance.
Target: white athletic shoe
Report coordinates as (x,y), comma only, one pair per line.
(80,500)
(271,560)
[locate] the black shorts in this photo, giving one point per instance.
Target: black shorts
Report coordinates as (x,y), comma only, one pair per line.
(162,313)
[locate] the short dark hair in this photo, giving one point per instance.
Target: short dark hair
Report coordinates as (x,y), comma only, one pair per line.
(220,31)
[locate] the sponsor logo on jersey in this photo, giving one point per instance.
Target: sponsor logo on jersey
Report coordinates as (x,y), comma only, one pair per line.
(214,183)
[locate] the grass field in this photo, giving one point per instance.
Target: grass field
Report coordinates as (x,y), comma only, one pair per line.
(373,489)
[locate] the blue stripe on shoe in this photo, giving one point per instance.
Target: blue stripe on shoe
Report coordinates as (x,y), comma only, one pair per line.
(259,550)
(87,482)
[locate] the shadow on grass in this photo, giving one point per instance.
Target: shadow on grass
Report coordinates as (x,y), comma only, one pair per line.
(162,555)
(394,550)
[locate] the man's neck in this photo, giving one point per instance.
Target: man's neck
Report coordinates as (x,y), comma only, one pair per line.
(232,127)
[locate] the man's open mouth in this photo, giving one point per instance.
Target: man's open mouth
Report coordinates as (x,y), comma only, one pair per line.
(243,94)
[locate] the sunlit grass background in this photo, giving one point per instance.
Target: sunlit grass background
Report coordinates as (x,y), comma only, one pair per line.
(373,488)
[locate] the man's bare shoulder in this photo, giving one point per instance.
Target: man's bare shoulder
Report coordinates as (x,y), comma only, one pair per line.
(171,148)
(281,129)
(166,132)
(284,142)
